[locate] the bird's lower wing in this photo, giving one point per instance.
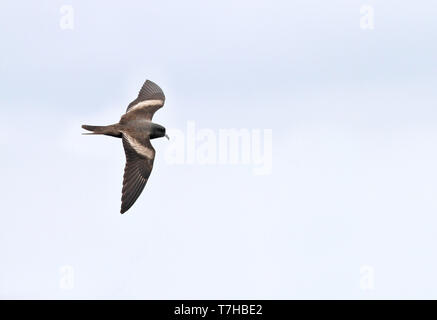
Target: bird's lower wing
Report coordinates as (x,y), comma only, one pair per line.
(139,164)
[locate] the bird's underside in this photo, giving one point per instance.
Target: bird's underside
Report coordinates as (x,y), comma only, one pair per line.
(136,129)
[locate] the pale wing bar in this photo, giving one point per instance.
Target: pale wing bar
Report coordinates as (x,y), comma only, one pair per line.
(150,99)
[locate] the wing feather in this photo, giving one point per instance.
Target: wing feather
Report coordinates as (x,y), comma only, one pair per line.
(149,100)
(136,172)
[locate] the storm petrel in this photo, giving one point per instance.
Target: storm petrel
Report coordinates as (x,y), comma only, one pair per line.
(136,129)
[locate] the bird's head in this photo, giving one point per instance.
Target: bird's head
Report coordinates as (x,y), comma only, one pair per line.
(158,131)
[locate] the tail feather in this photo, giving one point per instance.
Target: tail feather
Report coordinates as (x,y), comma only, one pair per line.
(94,129)
(110,130)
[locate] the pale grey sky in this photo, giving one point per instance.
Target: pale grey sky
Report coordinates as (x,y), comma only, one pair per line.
(353,181)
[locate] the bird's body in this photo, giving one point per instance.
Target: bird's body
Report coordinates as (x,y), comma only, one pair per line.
(136,129)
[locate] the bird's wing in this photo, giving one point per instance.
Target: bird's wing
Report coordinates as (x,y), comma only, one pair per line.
(150,99)
(139,164)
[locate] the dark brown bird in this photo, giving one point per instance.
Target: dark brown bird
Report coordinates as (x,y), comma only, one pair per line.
(136,129)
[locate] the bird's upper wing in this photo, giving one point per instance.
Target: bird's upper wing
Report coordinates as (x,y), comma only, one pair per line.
(139,164)
(150,99)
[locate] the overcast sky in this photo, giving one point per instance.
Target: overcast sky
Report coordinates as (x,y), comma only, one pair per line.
(348,210)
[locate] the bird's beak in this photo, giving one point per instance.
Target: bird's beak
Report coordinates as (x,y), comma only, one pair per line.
(166,135)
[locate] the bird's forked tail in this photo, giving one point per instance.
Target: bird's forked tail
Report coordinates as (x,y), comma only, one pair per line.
(110,130)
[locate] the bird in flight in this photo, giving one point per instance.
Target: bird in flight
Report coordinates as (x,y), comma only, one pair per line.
(136,129)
